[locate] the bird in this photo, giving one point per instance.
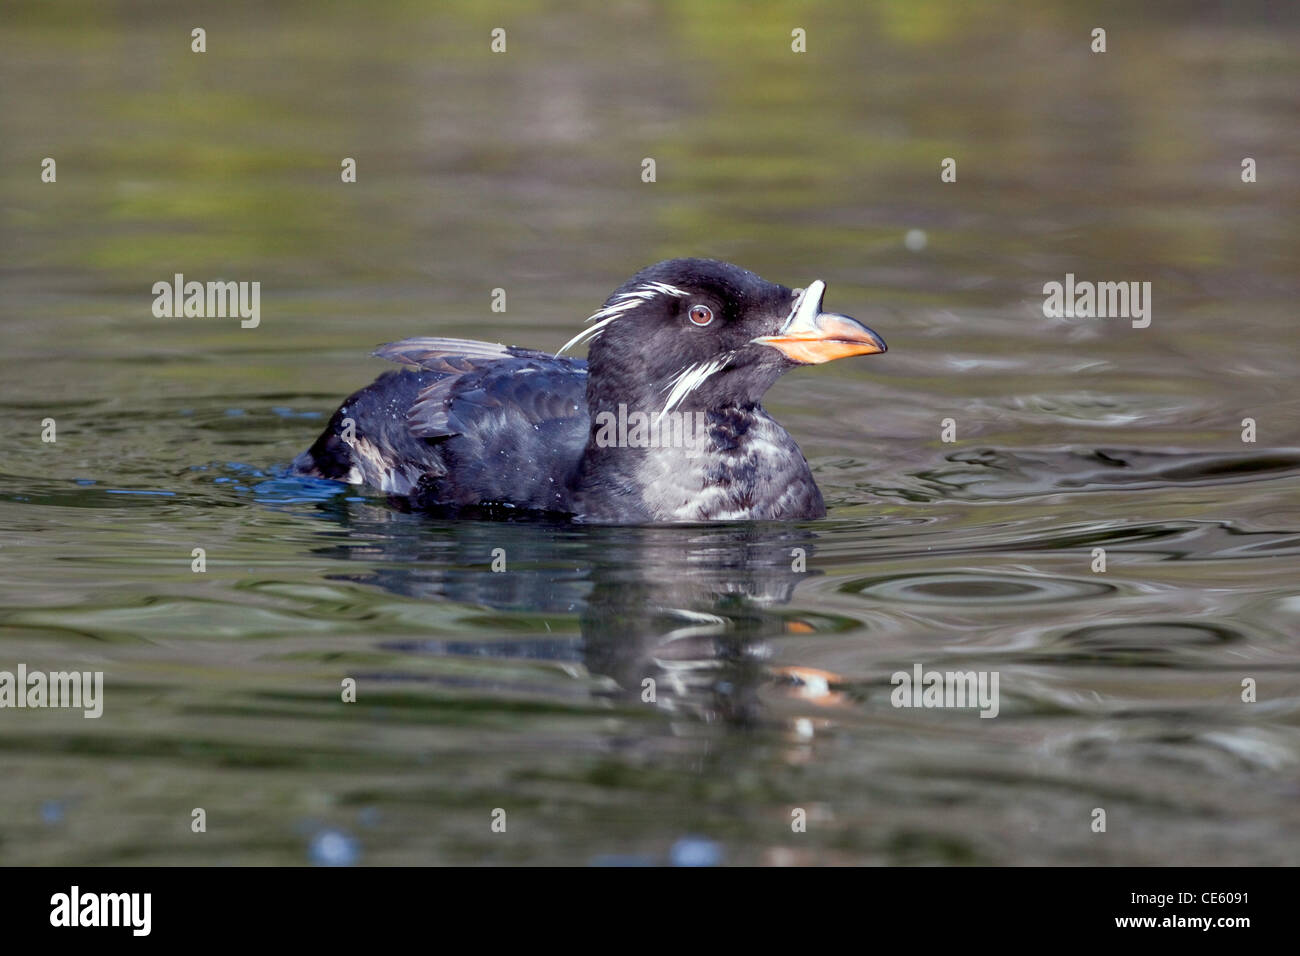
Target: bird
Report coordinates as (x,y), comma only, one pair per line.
(662,423)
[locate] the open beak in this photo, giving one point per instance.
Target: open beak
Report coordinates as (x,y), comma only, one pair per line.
(811,336)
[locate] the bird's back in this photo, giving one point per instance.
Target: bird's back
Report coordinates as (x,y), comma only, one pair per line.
(463,424)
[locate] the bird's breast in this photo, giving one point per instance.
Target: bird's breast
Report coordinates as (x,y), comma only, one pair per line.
(745,467)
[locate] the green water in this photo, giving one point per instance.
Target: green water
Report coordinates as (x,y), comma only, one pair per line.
(522,690)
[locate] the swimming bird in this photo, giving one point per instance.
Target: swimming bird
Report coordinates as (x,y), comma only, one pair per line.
(662,422)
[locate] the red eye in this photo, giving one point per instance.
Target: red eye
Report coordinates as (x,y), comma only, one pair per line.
(701,314)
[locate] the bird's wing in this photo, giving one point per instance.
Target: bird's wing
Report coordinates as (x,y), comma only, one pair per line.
(437,354)
(487,386)
(461,422)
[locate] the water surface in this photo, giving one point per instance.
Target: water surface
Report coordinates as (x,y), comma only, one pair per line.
(523,690)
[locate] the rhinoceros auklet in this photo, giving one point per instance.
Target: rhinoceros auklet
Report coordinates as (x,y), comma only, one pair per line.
(661,423)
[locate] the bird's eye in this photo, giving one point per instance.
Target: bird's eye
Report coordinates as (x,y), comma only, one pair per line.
(701,314)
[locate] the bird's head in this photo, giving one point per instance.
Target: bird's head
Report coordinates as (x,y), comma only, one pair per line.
(696,334)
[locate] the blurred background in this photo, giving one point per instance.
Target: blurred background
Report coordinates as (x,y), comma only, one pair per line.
(522,690)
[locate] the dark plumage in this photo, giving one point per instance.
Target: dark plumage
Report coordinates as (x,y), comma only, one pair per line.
(662,422)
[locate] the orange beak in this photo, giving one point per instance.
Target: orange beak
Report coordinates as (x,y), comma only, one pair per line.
(811,336)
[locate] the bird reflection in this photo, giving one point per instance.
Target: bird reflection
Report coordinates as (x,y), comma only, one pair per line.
(690,608)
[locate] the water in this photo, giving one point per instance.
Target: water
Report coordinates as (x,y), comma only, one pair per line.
(523,691)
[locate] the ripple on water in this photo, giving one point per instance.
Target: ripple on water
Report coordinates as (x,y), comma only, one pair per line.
(1096,409)
(1141,644)
(971,587)
(992,474)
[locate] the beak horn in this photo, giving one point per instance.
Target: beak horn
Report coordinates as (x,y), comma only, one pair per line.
(811,336)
